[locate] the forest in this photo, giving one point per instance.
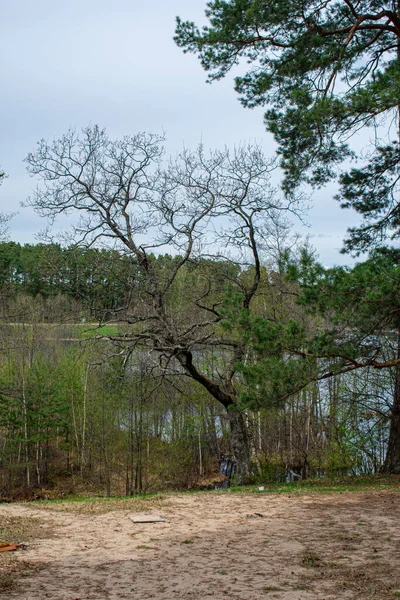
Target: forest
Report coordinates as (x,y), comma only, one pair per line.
(80,413)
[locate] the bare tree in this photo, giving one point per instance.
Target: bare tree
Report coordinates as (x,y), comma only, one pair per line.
(199,205)
(4,218)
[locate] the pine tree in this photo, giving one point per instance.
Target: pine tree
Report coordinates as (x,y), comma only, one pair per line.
(323,71)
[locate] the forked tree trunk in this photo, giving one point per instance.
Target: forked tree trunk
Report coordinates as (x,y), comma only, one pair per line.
(239,436)
(240,446)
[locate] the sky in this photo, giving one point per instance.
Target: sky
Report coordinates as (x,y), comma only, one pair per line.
(116,65)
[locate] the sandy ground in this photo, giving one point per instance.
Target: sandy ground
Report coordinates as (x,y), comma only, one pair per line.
(213,545)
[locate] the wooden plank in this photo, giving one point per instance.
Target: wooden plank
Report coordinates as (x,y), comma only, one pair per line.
(146,519)
(7,547)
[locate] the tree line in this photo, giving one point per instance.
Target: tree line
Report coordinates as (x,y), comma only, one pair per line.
(78,411)
(95,278)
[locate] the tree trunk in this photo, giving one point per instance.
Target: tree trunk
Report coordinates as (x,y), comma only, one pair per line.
(26,439)
(239,437)
(392,460)
(240,445)
(83,436)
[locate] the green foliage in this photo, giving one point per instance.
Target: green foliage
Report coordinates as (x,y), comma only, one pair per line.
(373,192)
(271,470)
(99,279)
(359,306)
(71,404)
(323,70)
(349,323)
(342,456)
(271,369)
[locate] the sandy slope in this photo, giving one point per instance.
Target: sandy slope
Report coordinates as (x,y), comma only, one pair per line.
(211,545)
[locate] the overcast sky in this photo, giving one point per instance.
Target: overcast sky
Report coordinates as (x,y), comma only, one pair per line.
(116,65)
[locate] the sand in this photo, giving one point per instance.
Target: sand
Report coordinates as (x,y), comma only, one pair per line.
(214,545)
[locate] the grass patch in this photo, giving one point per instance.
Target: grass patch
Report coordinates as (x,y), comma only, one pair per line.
(327,485)
(85,331)
(158,500)
(312,560)
(102,505)
(300,587)
(22,529)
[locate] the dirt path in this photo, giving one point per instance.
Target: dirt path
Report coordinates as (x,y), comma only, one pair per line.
(213,545)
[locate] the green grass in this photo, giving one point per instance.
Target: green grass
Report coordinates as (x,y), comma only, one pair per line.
(99,505)
(86,499)
(21,529)
(327,485)
(311,560)
(157,499)
(271,588)
(88,331)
